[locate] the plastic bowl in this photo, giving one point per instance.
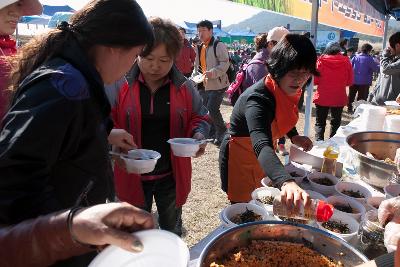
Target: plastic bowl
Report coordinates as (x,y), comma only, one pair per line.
(229,212)
(184,147)
(315,195)
(301,174)
(265,192)
(343,218)
(374,202)
(392,190)
(341,186)
(355,205)
(141,161)
(323,189)
(266,182)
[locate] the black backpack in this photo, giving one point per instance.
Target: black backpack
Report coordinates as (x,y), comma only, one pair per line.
(231,70)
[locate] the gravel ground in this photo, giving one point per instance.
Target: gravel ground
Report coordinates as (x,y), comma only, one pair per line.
(206,200)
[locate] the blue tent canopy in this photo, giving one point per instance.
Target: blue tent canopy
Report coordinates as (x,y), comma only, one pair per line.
(247,33)
(42,19)
(51,10)
(58,17)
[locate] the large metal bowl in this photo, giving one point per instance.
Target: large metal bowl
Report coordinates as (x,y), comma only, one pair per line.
(383,144)
(321,241)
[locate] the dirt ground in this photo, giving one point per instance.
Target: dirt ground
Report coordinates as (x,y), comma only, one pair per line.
(206,200)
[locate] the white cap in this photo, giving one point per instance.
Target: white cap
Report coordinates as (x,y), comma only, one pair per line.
(29,7)
(276,34)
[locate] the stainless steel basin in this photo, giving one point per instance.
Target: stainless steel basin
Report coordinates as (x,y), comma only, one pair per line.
(383,144)
(321,241)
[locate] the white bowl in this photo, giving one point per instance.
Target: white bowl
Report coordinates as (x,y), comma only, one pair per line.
(340,186)
(265,192)
(266,182)
(315,195)
(141,160)
(290,168)
(392,190)
(184,147)
(323,189)
(354,204)
(343,218)
(373,202)
(229,212)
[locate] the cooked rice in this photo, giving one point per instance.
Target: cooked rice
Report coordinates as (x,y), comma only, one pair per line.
(262,253)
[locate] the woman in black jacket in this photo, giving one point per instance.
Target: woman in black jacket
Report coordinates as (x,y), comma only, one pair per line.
(53,144)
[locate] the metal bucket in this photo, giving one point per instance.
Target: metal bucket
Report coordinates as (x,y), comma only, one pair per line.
(384,144)
(320,241)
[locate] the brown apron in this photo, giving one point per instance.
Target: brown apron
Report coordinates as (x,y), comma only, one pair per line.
(244,171)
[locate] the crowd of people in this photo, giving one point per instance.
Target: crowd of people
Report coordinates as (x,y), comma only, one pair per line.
(111,78)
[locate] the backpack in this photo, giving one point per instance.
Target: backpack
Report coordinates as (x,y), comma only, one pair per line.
(235,89)
(231,70)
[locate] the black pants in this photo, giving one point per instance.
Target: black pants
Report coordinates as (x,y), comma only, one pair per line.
(357,89)
(163,190)
(320,123)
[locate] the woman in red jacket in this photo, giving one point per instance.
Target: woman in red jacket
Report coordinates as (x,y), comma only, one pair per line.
(159,104)
(10,13)
(336,73)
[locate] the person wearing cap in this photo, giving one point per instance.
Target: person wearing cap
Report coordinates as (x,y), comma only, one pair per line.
(263,113)
(53,146)
(336,74)
(10,13)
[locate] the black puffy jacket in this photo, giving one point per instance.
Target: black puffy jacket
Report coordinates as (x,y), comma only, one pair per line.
(53,144)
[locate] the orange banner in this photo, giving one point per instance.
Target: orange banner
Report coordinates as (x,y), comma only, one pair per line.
(353,15)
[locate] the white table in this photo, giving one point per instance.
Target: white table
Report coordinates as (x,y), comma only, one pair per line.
(348,175)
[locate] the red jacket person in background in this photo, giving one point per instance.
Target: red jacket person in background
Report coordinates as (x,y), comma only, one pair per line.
(336,73)
(185,60)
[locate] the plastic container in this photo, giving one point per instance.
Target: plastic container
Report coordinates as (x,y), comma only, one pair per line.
(317,210)
(297,173)
(141,161)
(371,236)
(320,188)
(316,195)
(232,210)
(331,155)
(340,187)
(352,224)
(392,190)
(262,192)
(357,207)
(184,147)
(374,202)
(266,182)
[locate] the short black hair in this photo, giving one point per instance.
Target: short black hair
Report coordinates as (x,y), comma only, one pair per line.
(332,50)
(350,49)
(292,52)
(366,48)
(205,23)
(343,42)
(394,39)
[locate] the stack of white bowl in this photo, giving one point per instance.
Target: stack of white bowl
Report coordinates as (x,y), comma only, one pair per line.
(372,118)
(392,123)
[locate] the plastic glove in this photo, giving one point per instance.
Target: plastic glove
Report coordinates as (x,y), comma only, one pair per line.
(389,210)
(389,216)
(392,235)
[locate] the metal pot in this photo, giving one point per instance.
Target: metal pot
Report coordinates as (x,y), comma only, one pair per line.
(321,241)
(382,144)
